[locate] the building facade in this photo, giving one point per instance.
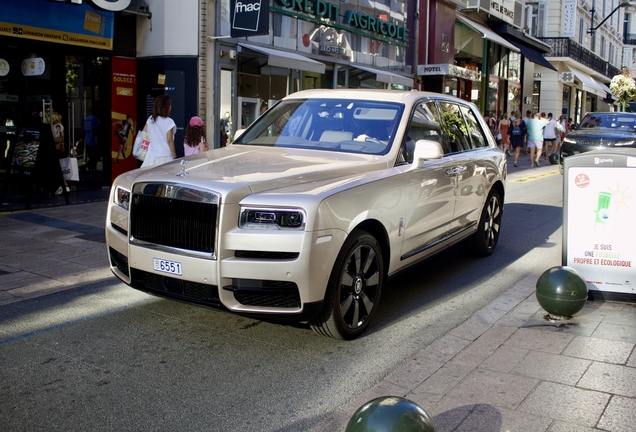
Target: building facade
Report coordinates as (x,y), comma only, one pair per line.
(586,48)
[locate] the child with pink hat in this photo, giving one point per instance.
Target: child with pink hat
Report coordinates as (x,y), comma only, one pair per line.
(194,141)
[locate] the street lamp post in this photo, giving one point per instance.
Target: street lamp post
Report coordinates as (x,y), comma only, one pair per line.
(593,11)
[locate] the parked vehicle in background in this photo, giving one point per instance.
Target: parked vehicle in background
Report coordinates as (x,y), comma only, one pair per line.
(600,130)
(309,211)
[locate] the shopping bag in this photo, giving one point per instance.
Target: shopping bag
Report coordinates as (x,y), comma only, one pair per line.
(142,142)
(70,169)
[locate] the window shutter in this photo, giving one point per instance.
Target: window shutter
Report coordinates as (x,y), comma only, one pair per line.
(541,20)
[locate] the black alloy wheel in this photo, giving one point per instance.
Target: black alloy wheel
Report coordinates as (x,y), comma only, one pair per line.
(353,290)
(485,240)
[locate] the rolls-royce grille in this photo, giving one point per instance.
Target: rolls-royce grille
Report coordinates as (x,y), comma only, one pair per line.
(265,293)
(176,288)
(175,223)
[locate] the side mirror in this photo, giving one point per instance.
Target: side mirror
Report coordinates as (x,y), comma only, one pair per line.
(574,126)
(426,150)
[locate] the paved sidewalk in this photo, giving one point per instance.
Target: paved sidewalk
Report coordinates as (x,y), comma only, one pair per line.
(508,368)
(52,249)
(505,369)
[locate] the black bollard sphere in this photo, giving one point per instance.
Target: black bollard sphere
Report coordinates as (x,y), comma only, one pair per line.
(390,414)
(561,291)
(554,158)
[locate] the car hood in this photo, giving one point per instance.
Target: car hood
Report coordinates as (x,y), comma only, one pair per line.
(262,168)
(600,135)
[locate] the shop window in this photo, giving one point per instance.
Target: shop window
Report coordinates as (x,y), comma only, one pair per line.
(536,92)
(514,67)
(566,101)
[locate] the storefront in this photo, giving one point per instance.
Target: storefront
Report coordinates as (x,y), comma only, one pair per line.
(462,82)
(309,44)
(57,58)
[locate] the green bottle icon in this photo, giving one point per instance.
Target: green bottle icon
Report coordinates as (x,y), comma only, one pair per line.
(602,207)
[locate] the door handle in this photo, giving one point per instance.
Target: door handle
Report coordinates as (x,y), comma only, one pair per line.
(455,171)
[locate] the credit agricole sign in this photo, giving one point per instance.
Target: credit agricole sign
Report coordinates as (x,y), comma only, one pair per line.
(326,13)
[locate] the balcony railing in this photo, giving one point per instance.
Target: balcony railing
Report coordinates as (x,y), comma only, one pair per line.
(566,47)
(629,39)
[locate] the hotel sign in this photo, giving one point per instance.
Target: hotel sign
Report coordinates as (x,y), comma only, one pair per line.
(504,10)
(449,70)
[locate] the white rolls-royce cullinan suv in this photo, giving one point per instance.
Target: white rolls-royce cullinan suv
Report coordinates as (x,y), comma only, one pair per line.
(312,207)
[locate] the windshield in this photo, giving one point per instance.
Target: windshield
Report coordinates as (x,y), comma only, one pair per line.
(346,125)
(609,121)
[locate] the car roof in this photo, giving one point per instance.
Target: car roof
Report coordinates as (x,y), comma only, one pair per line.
(402,96)
(610,113)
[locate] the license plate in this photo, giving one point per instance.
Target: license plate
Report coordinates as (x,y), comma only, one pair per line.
(162,265)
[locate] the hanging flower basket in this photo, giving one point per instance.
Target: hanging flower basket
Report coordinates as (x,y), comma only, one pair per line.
(623,88)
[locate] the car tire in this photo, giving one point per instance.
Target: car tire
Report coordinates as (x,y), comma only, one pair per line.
(353,290)
(484,241)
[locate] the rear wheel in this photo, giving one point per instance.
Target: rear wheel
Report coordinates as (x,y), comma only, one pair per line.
(353,290)
(484,241)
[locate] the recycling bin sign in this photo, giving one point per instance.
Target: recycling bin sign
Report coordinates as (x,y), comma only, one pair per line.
(599,221)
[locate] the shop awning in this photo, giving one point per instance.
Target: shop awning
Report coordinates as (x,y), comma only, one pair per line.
(533,55)
(486,32)
(387,77)
(287,60)
(594,86)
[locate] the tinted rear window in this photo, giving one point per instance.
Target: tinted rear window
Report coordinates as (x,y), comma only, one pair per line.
(609,121)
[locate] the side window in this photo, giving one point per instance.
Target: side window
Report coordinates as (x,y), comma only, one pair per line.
(455,130)
(474,129)
(424,125)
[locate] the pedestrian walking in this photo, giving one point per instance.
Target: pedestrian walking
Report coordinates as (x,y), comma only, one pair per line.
(518,134)
(535,128)
(550,134)
(504,125)
(161,129)
(527,117)
(194,141)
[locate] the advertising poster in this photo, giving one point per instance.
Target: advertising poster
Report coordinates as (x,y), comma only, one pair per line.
(26,151)
(123,115)
(601,209)
(59,22)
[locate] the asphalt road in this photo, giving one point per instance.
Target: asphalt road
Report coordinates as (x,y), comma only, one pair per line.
(106,357)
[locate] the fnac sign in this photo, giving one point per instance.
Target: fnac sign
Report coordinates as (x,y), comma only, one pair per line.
(249,17)
(107,5)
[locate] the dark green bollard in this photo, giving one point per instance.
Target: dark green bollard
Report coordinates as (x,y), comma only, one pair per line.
(554,158)
(561,291)
(390,414)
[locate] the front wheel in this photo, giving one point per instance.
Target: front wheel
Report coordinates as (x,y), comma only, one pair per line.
(484,241)
(353,290)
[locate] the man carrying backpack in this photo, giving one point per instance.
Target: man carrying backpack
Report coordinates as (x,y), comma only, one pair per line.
(517,132)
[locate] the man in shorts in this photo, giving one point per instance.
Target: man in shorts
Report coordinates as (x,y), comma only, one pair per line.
(535,128)
(550,136)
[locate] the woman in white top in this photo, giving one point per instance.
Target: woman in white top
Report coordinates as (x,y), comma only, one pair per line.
(161,129)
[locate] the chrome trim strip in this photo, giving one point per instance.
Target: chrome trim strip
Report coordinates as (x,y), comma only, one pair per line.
(436,242)
(177,191)
(173,250)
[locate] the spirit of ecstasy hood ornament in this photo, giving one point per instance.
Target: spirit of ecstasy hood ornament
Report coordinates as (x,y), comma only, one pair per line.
(183,172)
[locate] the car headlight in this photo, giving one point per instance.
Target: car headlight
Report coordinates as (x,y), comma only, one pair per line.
(266,218)
(567,140)
(122,198)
